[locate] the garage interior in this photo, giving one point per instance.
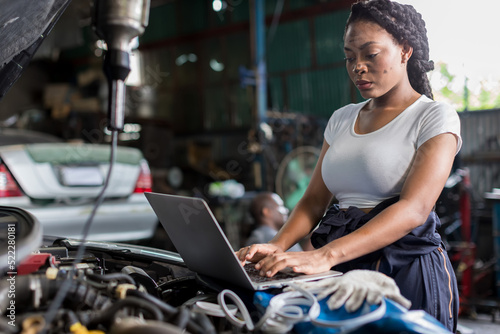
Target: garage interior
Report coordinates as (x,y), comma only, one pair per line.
(227,102)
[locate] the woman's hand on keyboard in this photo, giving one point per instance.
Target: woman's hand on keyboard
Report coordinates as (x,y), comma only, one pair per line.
(256,252)
(308,262)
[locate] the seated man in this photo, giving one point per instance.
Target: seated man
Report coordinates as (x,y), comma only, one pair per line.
(269,214)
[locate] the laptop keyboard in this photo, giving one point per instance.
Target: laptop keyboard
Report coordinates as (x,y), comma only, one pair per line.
(254,274)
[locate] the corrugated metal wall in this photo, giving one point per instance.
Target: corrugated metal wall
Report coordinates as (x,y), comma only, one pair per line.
(192,56)
(481,149)
(306,69)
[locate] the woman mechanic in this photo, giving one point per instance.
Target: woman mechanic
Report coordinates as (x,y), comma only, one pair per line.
(386,161)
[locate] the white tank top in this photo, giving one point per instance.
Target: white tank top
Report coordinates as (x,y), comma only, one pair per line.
(362,170)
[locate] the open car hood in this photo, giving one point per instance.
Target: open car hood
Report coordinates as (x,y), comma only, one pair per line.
(24,24)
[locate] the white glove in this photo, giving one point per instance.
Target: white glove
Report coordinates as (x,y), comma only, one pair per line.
(354,287)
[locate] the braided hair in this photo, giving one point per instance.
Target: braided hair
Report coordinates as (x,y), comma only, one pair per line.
(404,23)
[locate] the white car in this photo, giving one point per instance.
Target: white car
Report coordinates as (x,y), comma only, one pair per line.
(58,183)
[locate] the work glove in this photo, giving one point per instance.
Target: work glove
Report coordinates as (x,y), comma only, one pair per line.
(353,287)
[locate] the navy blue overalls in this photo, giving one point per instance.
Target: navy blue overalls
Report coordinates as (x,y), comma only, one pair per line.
(418,262)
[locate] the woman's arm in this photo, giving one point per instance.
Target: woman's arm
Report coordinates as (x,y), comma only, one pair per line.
(422,187)
(309,209)
(302,220)
(424,184)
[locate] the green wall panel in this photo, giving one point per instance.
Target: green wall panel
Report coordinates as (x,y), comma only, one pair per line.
(241,106)
(162,23)
(318,92)
(157,71)
(275,88)
(218,19)
(186,64)
(270,7)
(165,111)
(237,54)
(187,110)
(329,34)
(297,4)
(216,114)
(331,90)
(239,10)
(290,48)
(87,49)
(194,15)
(213,60)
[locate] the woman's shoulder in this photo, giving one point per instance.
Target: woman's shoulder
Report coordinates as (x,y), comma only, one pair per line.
(348,111)
(431,111)
(428,105)
(438,117)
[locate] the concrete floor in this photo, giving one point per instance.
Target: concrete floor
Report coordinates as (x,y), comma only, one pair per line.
(483,324)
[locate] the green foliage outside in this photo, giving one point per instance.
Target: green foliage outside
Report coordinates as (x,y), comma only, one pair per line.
(461,93)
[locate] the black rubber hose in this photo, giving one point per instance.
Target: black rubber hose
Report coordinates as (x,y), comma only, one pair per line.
(182,318)
(107,315)
(112,277)
(200,323)
(168,309)
(197,322)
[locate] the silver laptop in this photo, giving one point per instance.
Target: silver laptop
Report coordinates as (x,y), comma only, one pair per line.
(200,241)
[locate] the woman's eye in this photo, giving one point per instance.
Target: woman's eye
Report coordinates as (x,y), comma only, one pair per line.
(373,55)
(348,59)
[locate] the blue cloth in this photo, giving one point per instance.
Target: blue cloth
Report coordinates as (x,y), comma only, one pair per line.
(395,320)
(418,262)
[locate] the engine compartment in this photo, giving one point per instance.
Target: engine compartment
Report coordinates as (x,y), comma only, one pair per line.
(114,288)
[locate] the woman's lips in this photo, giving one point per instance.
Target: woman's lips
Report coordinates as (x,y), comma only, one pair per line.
(363,84)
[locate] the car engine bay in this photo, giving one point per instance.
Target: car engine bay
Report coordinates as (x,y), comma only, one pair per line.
(114,288)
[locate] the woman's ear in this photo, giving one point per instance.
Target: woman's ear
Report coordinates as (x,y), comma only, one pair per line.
(406,52)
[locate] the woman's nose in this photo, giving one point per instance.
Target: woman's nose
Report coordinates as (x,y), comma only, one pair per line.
(359,67)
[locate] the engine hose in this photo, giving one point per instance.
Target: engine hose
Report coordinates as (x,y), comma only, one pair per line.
(200,324)
(94,284)
(182,317)
(36,290)
(81,293)
(112,277)
(71,316)
(166,308)
(106,316)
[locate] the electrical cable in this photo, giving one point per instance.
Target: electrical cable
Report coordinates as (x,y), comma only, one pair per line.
(61,294)
(212,309)
(247,320)
(285,310)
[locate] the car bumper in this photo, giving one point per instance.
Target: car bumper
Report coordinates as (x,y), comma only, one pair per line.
(115,220)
